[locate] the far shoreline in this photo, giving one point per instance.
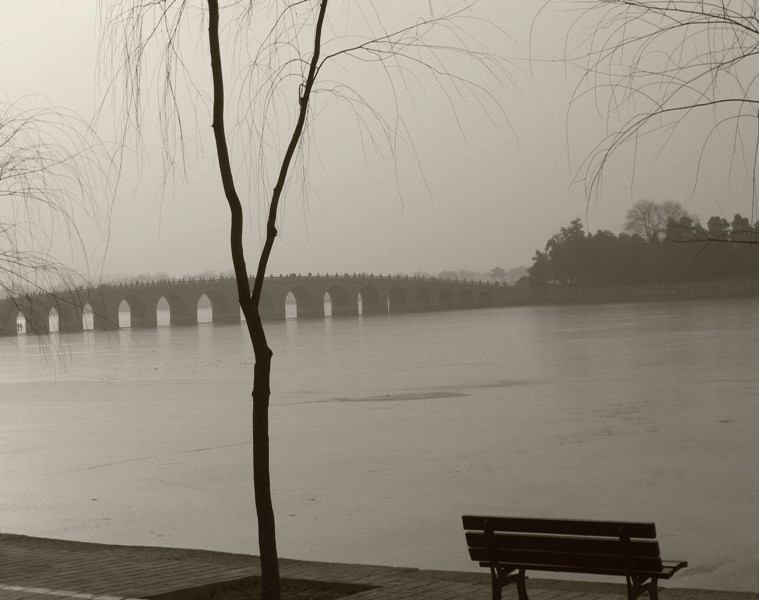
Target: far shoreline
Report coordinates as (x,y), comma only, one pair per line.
(569,294)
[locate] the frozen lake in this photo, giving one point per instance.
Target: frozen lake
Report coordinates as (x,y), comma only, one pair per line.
(386,429)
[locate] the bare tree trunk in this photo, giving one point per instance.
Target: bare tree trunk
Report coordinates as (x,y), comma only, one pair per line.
(267,541)
(389,45)
(249,302)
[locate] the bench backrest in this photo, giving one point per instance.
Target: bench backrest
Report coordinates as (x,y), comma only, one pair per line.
(601,547)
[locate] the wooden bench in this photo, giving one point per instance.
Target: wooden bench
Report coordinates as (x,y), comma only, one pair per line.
(511,546)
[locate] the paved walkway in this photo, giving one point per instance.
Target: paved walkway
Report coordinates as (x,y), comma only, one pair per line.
(44,569)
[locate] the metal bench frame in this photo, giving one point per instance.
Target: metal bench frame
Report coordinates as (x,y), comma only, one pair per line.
(510,546)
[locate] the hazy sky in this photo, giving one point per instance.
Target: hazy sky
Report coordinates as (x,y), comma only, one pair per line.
(495,195)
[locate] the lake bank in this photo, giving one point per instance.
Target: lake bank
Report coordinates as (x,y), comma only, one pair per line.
(75,568)
(578,294)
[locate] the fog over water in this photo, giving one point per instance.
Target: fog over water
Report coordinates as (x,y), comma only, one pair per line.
(386,429)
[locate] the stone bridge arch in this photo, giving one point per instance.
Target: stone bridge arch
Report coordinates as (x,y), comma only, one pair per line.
(445,298)
(466,298)
(181,310)
(372,300)
(70,315)
(307,305)
(343,302)
(141,313)
(269,308)
(88,317)
(397,299)
(53,320)
(223,308)
(423,297)
(37,316)
(10,319)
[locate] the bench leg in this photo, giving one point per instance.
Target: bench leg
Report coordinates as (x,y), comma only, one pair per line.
(521,587)
(653,590)
(495,580)
(637,585)
(500,578)
(633,587)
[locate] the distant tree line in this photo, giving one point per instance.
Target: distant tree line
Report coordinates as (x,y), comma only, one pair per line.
(661,243)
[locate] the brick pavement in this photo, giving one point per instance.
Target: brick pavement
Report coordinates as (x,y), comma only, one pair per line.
(44,569)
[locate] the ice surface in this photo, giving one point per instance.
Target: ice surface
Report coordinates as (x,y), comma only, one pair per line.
(385,430)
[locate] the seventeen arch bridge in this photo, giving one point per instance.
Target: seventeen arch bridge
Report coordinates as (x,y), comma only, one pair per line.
(343,295)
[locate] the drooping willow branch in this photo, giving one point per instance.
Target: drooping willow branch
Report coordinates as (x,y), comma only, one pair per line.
(50,167)
(664,60)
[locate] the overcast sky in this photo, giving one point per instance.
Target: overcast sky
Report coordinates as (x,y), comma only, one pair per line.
(493,194)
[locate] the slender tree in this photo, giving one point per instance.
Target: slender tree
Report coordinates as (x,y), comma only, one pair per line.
(645,219)
(651,220)
(292,57)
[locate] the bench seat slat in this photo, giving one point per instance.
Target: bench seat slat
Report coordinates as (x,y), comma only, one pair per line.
(560,526)
(569,544)
(571,560)
(666,572)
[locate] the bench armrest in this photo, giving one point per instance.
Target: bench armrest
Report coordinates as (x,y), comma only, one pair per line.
(670,567)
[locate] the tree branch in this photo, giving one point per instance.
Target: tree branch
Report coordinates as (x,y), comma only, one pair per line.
(303,99)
